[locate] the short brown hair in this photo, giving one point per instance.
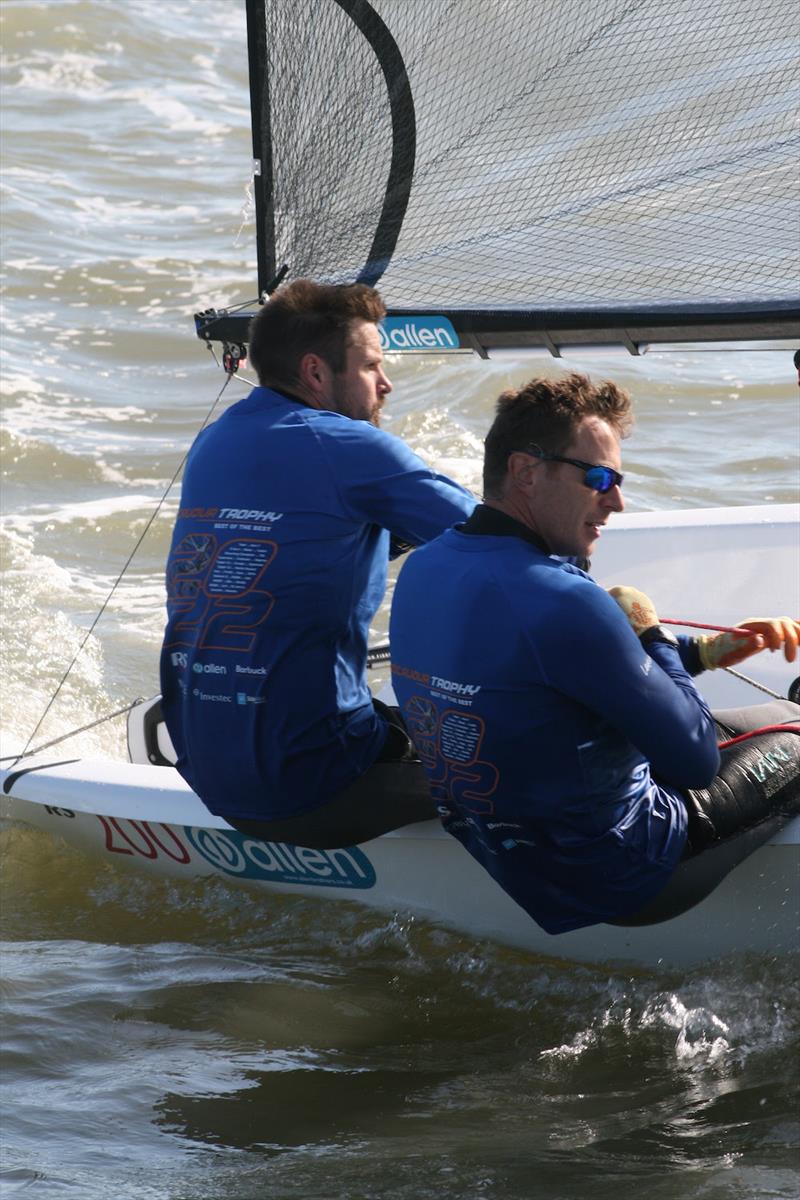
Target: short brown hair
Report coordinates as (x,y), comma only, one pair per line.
(306,317)
(546,413)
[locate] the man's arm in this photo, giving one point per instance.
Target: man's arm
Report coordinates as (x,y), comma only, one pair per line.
(382,481)
(592,654)
(725,649)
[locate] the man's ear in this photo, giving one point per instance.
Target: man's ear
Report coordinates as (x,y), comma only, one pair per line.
(521,469)
(314,374)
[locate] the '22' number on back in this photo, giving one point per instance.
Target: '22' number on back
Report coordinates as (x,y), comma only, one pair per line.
(215,589)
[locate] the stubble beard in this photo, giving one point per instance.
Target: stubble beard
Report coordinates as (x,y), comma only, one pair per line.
(341,404)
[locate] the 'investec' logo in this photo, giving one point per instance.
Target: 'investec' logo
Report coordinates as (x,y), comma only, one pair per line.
(245,857)
(418,333)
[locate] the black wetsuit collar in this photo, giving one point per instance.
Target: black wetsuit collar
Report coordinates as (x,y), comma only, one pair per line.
(284,394)
(491,522)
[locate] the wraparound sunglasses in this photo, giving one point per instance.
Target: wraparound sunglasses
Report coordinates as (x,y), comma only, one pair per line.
(599,479)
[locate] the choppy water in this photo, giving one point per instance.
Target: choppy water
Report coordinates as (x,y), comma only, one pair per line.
(192,1041)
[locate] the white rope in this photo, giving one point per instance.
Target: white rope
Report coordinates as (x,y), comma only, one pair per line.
(761,687)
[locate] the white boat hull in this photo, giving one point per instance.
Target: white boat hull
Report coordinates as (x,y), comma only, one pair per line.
(117,810)
(146,818)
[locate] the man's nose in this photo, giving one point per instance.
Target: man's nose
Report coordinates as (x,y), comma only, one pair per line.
(614,499)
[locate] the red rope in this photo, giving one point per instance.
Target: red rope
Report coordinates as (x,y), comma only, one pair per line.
(743,737)
(700,625)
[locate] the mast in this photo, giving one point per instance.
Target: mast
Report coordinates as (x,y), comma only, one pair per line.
(263,177)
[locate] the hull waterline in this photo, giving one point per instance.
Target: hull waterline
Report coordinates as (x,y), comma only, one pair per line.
(146,819)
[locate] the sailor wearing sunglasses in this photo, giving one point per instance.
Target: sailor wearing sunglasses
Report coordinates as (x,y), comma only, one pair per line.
(566,745)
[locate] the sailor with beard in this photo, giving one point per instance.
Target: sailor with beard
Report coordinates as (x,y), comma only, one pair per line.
(278,564)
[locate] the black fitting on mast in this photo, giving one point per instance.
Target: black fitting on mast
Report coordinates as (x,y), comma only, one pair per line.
(275,283)
(232,355)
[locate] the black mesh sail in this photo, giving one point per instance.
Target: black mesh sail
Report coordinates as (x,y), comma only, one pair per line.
(526,164)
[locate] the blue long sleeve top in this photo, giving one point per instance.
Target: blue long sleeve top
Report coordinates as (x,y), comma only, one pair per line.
(277,566)
(556,746)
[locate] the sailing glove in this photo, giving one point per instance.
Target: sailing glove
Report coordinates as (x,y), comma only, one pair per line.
(638,608)
(728,649)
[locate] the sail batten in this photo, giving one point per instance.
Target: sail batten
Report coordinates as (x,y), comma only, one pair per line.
(607,159)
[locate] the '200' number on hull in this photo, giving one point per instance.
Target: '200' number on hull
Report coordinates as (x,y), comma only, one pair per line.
(145,841)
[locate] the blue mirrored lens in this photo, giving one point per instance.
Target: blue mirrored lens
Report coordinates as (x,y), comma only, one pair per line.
(601,479)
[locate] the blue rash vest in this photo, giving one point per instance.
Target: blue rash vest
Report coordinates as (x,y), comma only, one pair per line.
(539,718)
(277,566)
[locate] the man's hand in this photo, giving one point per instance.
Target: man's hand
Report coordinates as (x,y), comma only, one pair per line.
(758,633)
(638,608)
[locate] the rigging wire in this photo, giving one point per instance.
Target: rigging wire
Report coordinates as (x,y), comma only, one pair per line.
(118,580)
(376,655)
(762,687)
(74,732)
